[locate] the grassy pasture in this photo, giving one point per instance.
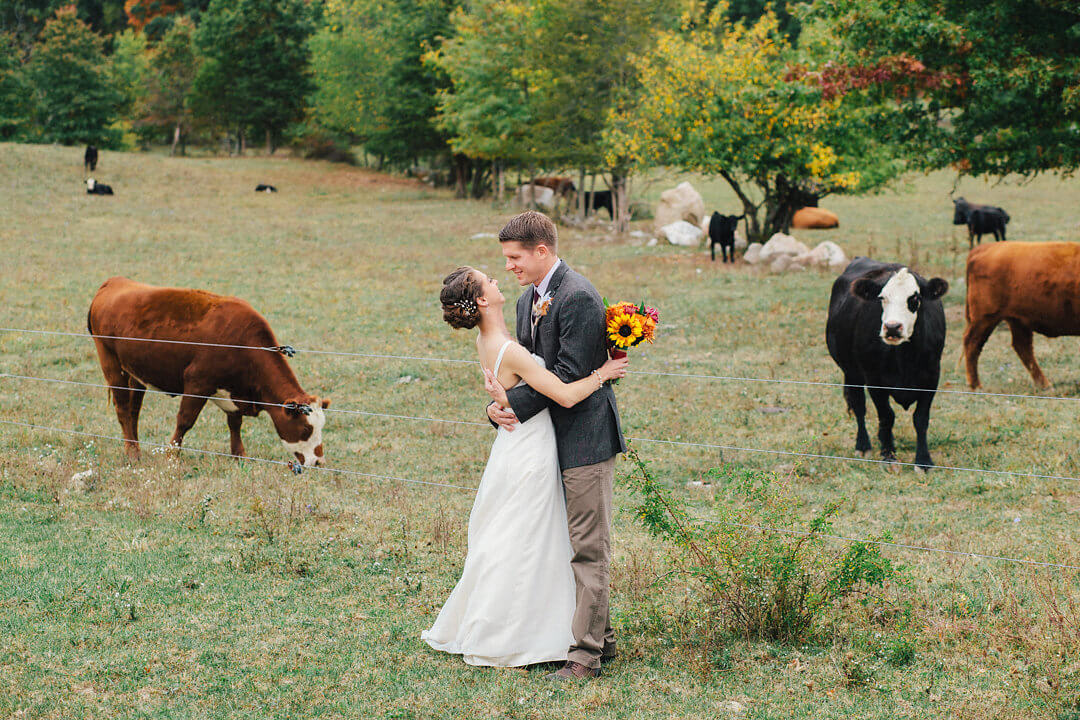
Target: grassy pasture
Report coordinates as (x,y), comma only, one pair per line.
(198,587)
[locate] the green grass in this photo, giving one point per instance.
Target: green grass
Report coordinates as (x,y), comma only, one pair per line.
(124,599)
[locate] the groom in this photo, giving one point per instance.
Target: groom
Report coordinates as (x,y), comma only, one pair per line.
(561,317)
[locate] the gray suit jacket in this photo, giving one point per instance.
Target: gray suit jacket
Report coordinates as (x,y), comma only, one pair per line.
(572,339)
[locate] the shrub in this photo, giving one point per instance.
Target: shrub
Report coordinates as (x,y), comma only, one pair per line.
(762,572)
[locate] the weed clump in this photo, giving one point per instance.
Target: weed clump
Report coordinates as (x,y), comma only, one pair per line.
(762,570)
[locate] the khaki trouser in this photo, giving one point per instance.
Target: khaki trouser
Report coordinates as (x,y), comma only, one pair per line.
(588,514)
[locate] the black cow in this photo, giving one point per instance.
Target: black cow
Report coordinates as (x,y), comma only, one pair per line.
(95,188)
(90,159)
(599,199)
(265,188)
(980,219)
(722,233)
(886,330)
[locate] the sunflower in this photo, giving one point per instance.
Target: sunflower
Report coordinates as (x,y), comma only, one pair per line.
(625,328)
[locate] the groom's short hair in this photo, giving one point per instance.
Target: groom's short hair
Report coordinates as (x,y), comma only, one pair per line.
(531,229)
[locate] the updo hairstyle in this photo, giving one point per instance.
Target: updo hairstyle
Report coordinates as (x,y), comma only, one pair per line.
(460,290)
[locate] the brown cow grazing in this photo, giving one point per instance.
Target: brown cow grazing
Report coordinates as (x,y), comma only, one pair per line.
(237,378)
(1034,287)
(814,218)
(563,186)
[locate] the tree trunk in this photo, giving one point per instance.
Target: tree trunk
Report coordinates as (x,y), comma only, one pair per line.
(620,200)
(581,194)
(175,140)
(532,189)
(269,141)
(241,142)
(479,181)
(461,176)
(500,181)
(590,207)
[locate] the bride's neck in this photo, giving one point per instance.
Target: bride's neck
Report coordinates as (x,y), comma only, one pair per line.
(492,324)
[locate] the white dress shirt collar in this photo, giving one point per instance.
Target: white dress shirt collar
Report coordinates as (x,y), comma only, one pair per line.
(542,287)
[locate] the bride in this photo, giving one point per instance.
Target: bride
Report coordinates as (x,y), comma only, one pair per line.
(515,600)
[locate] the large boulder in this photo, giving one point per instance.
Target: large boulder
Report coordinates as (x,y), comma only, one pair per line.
(812,218)
(752,256)
(545,197)
(681,233)
(681,202)
(740,241)
(781,244)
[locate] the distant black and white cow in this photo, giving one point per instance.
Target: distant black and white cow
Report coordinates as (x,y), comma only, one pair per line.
(265,188)
(980,220)
(886,330)
(95,188)
(90,159)
(722,233)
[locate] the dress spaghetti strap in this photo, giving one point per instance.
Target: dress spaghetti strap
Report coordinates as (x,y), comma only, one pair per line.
(498,360)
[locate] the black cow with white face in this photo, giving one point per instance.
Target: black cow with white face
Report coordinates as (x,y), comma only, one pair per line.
(886,328)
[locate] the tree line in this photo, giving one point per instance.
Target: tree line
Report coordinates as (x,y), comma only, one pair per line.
(788,103)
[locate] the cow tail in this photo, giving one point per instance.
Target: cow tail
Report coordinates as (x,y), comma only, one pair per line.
(90,330)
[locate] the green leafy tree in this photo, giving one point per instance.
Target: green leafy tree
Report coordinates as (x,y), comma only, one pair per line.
(485,108)
(75,99)
(170,78)
(16,106)
(717,98)
(254,74)
(1005,96)
(371,79)
(129,67)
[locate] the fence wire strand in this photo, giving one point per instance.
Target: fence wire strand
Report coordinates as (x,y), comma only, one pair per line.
(655,373)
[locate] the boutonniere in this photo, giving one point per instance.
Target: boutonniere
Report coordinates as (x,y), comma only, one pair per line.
(540,307)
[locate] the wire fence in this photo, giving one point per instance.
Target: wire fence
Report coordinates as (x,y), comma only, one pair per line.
(683,443)
(290,351)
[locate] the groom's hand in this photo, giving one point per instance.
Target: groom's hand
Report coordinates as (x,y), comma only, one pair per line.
(503,418)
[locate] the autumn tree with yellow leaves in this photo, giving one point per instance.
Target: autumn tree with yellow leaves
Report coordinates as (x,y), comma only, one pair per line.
(720,98)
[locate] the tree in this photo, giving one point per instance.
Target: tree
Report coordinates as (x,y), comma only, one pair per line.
(254,74)
(371,78)
(74,95)
(485,108)
(1007,98)
(535,81)
(716,98)
(16,108)
(170,78)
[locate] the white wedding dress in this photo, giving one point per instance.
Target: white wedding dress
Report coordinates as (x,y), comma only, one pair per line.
(515,600)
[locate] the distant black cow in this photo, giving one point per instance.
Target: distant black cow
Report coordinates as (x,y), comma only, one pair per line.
(722,233)
(980,219)
(599,199)
(96,188)
(886,329)
(90,159)
(265,188)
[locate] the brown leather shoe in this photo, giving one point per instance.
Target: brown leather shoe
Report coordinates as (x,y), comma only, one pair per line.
(573,671)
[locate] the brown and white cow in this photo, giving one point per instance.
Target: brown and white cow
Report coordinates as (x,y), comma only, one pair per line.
(1034,287)
(236,378)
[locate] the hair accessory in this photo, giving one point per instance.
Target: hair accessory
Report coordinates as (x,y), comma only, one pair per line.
(468,306)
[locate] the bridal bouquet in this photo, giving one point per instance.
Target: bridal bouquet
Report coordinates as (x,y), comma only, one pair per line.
(628,325)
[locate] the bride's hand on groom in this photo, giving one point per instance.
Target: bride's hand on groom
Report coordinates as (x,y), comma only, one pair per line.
(499,411)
